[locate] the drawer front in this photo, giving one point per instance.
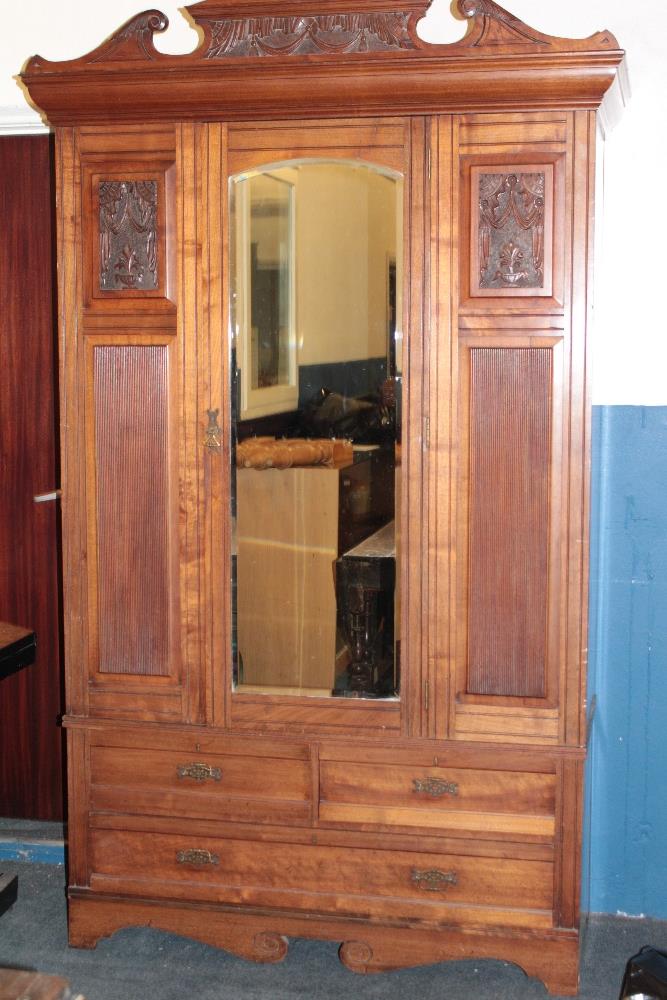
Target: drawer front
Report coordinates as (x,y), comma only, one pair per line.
(324,879)
(230,787)
(481,802)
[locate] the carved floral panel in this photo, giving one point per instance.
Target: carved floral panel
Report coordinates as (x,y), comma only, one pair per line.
(512,228)
(128,235)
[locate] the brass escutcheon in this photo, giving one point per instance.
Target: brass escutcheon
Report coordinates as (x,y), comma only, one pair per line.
(213,438)
(199,772)
(435,787)
(433,880)
(197,857)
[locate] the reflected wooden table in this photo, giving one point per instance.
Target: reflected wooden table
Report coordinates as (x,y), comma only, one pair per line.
(17,650)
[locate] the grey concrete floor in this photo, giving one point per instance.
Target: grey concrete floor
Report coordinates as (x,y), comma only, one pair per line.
(144,964)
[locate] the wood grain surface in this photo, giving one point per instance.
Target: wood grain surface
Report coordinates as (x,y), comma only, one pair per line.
(31,700)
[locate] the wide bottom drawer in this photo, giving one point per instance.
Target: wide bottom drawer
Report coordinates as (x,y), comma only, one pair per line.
(325,879)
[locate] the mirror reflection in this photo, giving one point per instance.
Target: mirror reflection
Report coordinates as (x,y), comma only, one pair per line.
(316,301)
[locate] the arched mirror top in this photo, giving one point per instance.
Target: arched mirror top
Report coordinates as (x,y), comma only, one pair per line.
(331,160)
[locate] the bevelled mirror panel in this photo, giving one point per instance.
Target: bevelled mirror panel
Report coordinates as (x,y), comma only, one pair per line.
(316,305)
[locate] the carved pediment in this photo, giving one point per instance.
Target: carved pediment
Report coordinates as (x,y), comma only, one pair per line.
(363,55)
(251,28)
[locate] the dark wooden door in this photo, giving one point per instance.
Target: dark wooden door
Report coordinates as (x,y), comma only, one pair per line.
(31,700)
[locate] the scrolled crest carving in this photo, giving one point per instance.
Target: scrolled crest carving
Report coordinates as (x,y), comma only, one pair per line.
(499,26)
(487,7)
(328,34)
(135,39)
(144,26)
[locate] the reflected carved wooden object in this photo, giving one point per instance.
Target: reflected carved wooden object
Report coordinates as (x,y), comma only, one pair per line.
(287,453)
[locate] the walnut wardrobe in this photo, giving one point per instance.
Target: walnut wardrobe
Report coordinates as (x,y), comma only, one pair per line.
(324,294)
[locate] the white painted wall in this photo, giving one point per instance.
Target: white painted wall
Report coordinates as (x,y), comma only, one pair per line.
(631,346)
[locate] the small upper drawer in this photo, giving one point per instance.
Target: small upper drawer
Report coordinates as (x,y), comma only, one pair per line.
(232,787)
(483,802)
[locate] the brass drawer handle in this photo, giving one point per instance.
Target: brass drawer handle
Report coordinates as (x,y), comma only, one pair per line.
(196,857)
(435,787)
(433,880)
(199,772)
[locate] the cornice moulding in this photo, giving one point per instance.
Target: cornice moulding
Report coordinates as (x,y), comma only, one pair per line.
(16,120)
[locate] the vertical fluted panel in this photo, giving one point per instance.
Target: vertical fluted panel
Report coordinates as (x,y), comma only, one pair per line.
(131,428)
(510,434)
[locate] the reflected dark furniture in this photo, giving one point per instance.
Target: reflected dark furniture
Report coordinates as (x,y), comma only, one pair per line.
(365,580)
(17,650)
(366,496)
(646,975)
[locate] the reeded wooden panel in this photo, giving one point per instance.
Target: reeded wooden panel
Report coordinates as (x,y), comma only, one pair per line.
(131,424)
(510,434)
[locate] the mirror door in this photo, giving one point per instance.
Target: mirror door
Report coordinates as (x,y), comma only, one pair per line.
(318,312)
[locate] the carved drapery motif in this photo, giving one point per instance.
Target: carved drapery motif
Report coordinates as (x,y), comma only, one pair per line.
(333,34)
(511,230)
(128,235)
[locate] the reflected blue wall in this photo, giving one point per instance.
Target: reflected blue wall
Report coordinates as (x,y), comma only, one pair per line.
(625,851)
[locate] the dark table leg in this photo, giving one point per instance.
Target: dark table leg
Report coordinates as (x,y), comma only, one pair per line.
(8,891)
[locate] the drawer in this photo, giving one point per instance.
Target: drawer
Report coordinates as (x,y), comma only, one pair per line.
(361,882)
(480,802)
(232,787)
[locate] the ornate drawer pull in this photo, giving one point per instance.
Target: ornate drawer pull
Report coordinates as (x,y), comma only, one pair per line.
(435,787)
(199,772)
(195,857)
(434,880)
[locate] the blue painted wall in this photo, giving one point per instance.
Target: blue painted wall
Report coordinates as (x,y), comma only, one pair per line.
(625,856)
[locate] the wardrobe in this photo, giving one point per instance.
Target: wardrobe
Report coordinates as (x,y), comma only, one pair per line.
(424,801)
